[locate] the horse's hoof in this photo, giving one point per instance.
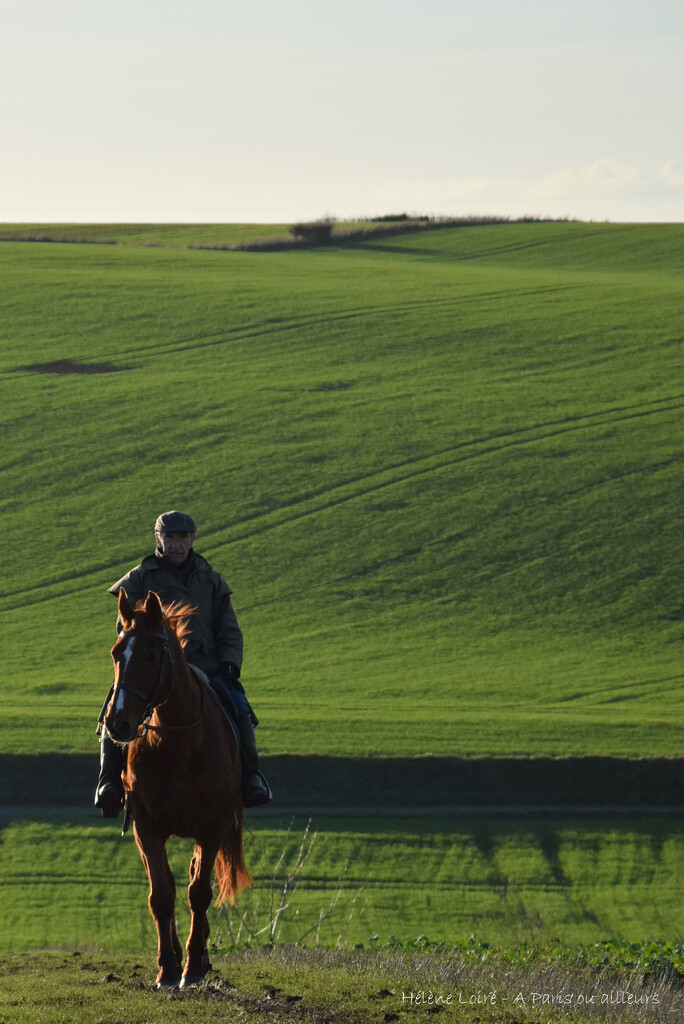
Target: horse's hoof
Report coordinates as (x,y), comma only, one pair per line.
(167,983)
(191,979)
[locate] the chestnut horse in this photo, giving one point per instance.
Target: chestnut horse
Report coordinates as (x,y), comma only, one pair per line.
(181,775)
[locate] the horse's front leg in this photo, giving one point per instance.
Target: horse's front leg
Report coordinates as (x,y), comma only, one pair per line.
(199,897)
(162,902)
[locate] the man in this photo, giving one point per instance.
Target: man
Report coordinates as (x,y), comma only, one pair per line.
(176,572)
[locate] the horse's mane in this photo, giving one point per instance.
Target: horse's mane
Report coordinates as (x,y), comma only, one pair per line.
(177,616)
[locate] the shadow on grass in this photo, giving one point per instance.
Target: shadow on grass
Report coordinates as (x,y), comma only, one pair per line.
(421,783)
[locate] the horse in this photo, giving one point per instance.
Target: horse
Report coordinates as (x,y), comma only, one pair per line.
(181,776)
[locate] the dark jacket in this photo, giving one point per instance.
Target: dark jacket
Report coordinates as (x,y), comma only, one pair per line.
(215,637)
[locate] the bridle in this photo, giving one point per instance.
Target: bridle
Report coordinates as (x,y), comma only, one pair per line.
(152,701)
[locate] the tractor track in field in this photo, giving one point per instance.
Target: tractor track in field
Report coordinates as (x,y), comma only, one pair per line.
(396,474)
(411,469)
(287,324)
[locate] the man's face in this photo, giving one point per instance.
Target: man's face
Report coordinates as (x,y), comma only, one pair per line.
(175,546)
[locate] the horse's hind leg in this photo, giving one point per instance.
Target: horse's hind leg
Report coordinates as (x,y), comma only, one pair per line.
(162,902)
(175,941)
(199,898)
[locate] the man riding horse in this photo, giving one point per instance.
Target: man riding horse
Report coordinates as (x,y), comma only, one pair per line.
(176,573)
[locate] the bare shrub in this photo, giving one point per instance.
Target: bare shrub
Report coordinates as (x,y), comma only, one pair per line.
(315,232)
(320,232)
(268,910)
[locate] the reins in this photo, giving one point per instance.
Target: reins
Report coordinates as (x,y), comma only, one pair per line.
(146,727)
(149,699)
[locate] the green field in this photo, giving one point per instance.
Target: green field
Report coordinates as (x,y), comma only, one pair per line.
(442,473)
(504,881)
(173,236)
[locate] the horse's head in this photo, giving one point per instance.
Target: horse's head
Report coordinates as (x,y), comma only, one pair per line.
(141,667)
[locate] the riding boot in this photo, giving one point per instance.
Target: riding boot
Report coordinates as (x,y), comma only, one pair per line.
(255,788)
(109,795)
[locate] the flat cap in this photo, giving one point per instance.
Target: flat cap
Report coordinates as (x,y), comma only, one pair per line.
(174,522)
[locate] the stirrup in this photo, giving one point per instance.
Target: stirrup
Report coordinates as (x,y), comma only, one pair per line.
(109,800)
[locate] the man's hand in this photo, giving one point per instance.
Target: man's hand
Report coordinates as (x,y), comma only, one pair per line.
(230,674)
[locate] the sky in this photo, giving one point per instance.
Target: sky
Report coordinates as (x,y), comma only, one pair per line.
(280,110)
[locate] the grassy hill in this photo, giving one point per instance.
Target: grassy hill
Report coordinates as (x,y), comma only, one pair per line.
(442,473)
(155,235)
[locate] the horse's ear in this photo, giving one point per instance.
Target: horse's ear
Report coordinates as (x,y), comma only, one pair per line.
(153,608)
(125,610)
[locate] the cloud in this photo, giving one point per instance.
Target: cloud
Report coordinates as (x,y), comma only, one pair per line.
(602,189)
(603,177)
(671,173)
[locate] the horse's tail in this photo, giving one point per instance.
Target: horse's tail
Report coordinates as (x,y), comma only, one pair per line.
(231,870)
